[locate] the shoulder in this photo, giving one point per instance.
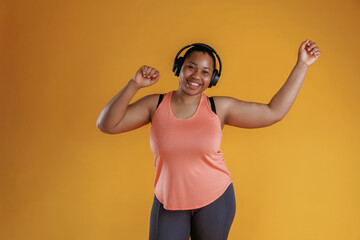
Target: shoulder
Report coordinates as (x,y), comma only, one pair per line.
(151,98)
(148,102)
(152,101)
(223,102)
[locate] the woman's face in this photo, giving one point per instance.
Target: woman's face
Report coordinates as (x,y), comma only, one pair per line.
(196,72)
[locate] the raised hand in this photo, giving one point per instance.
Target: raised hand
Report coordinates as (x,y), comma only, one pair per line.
(308,53)
(146,76)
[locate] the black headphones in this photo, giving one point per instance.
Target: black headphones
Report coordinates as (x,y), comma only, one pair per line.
(178,62)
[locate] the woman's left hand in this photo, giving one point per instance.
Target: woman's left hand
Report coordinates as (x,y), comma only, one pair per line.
(308,53)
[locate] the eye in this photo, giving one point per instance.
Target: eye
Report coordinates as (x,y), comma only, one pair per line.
(191,67)
(205,72)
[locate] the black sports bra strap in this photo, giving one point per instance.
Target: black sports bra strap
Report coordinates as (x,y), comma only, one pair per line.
(212,104)
(160,99)
(211,101)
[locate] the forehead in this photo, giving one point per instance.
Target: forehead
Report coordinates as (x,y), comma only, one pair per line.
(200,58)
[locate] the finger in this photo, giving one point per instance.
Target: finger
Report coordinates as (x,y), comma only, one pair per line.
(308,44)
(148,71)
(155,74)
(144,69)
(315,49)
(152,81)
(317,53)
(312,45)
(152,72)
(304,44)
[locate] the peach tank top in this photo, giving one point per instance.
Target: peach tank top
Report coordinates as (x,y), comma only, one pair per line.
(190,169)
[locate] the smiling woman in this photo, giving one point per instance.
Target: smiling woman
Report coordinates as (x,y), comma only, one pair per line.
(195,71)
(194,194)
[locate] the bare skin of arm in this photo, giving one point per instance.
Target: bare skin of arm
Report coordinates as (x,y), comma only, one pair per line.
(118,116)
(244,114)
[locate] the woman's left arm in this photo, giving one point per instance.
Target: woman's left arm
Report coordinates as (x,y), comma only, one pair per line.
(281,103)
(255,115)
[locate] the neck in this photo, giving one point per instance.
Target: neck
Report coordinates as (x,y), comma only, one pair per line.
(186,99)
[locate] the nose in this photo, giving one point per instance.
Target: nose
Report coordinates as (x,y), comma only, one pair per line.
(196,74)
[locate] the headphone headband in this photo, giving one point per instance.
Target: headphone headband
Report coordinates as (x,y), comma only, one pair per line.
(204,45)
(179,61)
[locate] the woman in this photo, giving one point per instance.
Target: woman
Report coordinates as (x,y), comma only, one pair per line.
(194,194)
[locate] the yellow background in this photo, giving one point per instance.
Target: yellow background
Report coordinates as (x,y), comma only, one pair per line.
(62,61)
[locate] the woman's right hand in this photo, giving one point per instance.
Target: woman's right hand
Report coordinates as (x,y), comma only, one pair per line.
(146,76)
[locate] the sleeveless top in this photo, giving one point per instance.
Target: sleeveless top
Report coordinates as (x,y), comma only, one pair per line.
(190,168)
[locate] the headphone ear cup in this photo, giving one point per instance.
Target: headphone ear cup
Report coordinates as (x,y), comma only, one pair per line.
(214,78)
(177,65)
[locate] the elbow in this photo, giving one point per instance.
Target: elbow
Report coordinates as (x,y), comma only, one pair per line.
(278,118)
(110,130)
(103,130)
(100,126)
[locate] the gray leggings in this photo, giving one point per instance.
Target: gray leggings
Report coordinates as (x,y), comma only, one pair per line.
(211,222)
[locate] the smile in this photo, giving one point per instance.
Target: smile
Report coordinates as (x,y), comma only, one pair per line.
(194,84)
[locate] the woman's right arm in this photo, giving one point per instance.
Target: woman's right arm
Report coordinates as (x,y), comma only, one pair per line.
(118,116)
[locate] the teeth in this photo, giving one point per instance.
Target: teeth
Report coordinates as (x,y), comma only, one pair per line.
(194,84)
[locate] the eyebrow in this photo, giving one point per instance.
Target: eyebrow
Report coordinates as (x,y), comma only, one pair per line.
(196,65)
